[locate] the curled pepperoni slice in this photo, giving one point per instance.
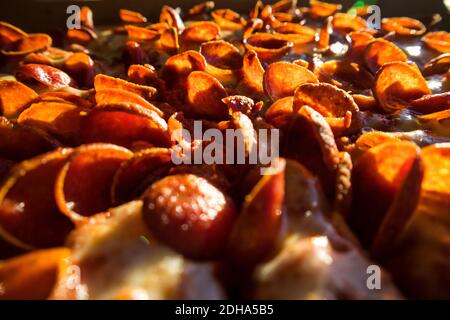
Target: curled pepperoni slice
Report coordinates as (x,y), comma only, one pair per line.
(371,139)
(258,227)
(136,174)
(336,105)
(205,94)
(116,97)
(84,183)
(16,42)
(345,75)
(432,103)
(438,65)
(60,119)
(14,97)
(200,32)
(20,142)
(252,73)
(282,78)
(280,113)
(106,82)
(61,96)
(320,9)
(322,135)
(29,217)
(19,281)
(228,19)
(29,44)
(52,56)
(87,17)
(403,26)
(171,17)
(380,178)
(200,8)
(435,186)
(422,241)
(398,83)
(358,43)
(267,46)
(9,34)
(141,34)
(221,54)
(296,33)
(309,139)
(381,51)
(347,23)
(82,36)
(190,215)
(81,67)
(144,75)
(439,41)
(252,26)
(223,61)
(365,102)
(178,67)
(169,41)
(129,16)
(123,127)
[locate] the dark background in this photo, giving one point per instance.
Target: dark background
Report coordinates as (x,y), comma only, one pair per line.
(44,15)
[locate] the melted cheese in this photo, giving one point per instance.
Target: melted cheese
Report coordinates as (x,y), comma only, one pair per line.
(115,257)
(311,268)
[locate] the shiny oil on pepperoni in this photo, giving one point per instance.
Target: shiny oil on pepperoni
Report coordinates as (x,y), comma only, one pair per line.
(190,215)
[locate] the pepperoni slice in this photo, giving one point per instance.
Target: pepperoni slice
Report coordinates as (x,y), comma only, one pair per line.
(60,119)
(136,174)
(403,26)
(129,16)
(205,94)
(106,82)
(228,19)
(84,183)
(268,47)
(48,76)
(381,51)
(438,40)
(336,105)
(19,281)
(20,142)
(258,227)
(190,215)
(29,44)
(200,32)
(252,75)
(115,97)
(282,78)
(29,216)
(14,97)
(123,127)
(380,178)
(398,83)
(178,67)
